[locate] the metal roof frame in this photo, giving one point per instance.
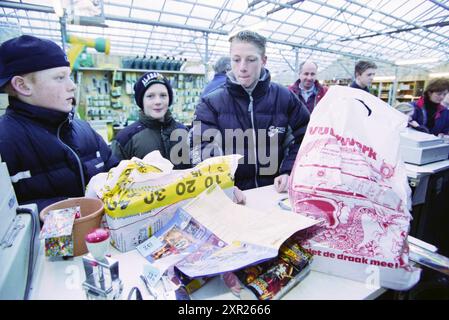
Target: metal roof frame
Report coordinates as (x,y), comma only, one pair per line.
(333,33)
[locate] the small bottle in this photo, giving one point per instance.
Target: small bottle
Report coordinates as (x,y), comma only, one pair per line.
(172,64)
(133,62)
(178,64)
(159,63)
(166,65)
(183,63)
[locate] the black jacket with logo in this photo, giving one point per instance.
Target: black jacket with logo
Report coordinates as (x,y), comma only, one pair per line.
(270,115)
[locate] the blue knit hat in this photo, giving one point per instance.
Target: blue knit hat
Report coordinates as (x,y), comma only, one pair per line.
(27,54)
(146,81)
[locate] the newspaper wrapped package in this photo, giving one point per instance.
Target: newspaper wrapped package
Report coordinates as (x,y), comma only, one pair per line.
(141,195)
(348,174)
(212,235)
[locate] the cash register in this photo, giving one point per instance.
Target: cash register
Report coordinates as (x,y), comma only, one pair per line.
(19,244)
(421,148)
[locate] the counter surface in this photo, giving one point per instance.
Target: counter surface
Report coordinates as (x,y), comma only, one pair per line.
(63,279)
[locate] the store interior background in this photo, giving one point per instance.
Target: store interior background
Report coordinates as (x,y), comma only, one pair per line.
(408,40)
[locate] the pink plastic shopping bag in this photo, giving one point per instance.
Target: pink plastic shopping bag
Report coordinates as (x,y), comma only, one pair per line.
(348,174)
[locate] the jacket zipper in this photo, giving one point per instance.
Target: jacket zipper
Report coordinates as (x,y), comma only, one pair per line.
(250,109)
(83,183)
(163,144)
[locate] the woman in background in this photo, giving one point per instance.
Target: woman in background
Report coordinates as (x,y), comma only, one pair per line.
(428,110)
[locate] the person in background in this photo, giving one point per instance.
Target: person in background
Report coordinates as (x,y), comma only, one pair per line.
(50,155)
(307,88)
(408,109)
(364,73)
(252,116)
(222,66)
(445,101)
(428,110)
(154,95)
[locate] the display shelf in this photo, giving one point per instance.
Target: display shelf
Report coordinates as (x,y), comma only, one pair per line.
(406,90)
(409,90)
(382,90)
(138,70)
(338,82)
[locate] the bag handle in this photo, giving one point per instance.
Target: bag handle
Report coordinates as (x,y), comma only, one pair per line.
(364,104)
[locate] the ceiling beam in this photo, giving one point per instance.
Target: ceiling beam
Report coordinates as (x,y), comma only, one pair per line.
(438,3)
(438,24)
(288,5)
(47,9)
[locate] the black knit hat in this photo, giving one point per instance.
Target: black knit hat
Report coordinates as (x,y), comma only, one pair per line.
(26,54)
(146,81)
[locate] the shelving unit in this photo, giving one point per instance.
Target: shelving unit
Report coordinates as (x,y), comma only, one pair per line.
(405,91)
(338,82)
(383,90)
(409,90)
(107,94)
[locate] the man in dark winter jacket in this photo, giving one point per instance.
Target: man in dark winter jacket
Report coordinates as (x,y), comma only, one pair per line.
(251,116)
(153,94)
(307,88)
(222,66)
(50,155)
(364,72)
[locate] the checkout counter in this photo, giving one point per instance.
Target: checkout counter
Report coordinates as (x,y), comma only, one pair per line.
(63,279)
(427,164)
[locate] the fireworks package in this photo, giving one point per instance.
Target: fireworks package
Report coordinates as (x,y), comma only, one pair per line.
(272,279)
(349,175)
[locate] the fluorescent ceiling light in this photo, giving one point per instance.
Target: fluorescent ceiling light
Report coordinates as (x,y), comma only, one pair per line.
(384,78)
(416,61)
(438,74)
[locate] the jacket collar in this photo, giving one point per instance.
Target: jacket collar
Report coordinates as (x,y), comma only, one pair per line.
(259,89)
(150,122)
(355,85)
(219,76)
(39,114)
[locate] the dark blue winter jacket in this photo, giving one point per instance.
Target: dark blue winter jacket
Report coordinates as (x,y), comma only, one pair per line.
(270,115)
(356,86)
(218,81)
(50,156)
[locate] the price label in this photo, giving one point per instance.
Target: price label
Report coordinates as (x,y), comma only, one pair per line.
(149,246)
(152,274)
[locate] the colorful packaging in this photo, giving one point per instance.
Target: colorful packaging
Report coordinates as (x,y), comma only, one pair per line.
(271,279)
(141,196)
(57,232)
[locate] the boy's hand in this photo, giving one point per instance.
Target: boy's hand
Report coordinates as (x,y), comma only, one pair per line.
(413,123)
(239,197)
(281,183)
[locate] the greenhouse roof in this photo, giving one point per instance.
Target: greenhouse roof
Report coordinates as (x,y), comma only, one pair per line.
(333,33)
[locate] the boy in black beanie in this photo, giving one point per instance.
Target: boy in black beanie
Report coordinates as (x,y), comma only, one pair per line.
(153,94)
(50,155)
